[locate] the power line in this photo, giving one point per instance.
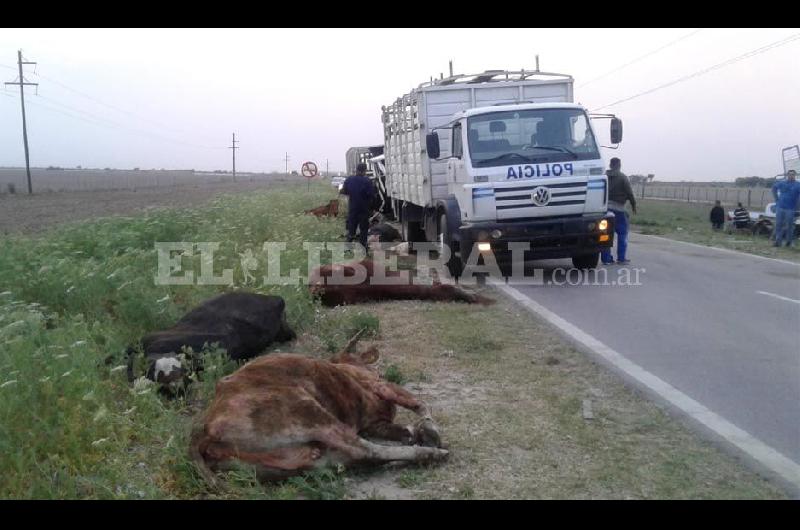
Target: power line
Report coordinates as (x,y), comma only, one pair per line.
(717,66)
(112,107)
(98,120)
(641,57)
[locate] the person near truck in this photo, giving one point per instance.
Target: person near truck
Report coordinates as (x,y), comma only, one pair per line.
(741,217)
(786,193)
(717,216)
(360,194)
(619,192)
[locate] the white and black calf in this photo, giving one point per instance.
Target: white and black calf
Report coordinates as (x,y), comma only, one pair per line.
(244,324)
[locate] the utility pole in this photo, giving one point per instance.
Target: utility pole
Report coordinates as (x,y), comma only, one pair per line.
(22,83)
(327,173)
(286,159)
(233,149)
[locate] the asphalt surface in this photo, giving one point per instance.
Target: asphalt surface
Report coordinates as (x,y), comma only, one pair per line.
(700,321)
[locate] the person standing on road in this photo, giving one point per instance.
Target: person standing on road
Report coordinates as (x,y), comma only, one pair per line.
(717,216)
(619,192)
(360,194)
(786,193)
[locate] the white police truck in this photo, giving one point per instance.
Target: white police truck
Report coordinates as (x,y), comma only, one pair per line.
(476,162)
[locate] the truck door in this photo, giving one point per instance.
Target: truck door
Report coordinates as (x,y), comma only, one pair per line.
(455,163)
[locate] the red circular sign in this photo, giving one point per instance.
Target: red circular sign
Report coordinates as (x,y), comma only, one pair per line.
(309,169)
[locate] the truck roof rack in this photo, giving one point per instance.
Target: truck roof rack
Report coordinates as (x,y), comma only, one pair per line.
(493,76)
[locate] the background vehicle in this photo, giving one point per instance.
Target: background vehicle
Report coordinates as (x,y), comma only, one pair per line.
(764,224)
(489,159)
(337,182)
(359,155)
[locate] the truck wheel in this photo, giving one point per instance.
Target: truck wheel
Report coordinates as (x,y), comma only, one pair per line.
(454,264)
(586,261)
(410,231)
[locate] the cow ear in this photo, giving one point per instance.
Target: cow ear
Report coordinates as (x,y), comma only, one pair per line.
(370,355)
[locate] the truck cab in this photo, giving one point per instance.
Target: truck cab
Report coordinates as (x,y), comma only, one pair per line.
(501,154)
(526,172)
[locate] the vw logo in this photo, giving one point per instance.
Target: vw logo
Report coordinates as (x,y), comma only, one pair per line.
(540,196)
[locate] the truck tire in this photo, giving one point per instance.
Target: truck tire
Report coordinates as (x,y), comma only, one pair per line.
(411,232)
(454,264)
(586,261)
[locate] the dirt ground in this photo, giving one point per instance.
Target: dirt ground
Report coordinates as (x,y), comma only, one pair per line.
(25,214)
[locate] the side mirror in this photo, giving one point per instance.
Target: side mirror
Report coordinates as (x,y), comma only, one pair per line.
(616,130)
(432,145)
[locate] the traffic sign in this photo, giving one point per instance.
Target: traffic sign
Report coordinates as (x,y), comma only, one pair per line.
(309,170)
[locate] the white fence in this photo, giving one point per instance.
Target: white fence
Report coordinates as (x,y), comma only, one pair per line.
(44,180)
(750,197)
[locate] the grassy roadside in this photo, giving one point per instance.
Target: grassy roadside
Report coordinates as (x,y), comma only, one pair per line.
(686,221)
(509,395)
(506,390)
(70,425)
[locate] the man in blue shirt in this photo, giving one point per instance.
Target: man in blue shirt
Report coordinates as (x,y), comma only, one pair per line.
(787,194)
(360,195)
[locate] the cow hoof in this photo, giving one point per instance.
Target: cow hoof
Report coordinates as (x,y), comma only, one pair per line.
(438,455)
(427,434)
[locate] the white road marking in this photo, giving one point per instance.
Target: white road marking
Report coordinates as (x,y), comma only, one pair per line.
(768,457)
(719,249)
(779,297)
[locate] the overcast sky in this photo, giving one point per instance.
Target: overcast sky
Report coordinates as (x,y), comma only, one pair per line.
(171,98)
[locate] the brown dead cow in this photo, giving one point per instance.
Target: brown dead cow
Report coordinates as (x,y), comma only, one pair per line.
(330,210)
(333,295)
(285,414)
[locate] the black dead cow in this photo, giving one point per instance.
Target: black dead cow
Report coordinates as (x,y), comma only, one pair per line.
(244,324)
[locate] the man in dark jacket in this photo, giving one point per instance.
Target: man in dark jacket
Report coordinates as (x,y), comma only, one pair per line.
(619,192)
(360,194)
(717,216)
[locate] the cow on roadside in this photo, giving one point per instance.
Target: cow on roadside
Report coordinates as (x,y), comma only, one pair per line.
(332,294)
(329,210)
(285,414)
(244,324)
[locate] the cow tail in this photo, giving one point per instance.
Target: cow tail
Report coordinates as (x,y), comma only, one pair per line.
(198,435)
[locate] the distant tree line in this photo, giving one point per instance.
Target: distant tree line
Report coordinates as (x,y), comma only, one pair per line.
(755,182)
(639,179)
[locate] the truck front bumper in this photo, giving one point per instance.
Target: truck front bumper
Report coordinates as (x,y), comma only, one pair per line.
(549,238)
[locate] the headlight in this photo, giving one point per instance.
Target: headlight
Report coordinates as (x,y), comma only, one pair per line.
(484,247)
(497,234)
(603,224)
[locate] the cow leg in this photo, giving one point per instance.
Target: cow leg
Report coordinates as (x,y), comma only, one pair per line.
(357,450)
(425,432)
(387,430)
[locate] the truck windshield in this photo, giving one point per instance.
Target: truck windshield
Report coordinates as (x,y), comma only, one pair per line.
(535,135)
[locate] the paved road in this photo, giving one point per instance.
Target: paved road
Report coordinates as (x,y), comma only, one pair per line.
(701,322)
